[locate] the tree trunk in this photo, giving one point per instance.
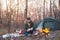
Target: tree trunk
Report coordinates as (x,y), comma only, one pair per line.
(50,9)
(44,10)
(59,3)
(26,9)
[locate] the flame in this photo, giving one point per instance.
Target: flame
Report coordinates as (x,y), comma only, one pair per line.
(42,31)
(46,30)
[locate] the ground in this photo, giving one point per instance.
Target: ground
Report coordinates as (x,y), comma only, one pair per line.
(55,35)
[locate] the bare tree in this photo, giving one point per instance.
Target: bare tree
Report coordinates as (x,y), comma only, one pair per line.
(44,10)
(0,13)
(59,3)
(59,11)
(26,9)
(50,9)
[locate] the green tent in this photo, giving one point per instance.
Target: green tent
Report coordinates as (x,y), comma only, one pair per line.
(51,23)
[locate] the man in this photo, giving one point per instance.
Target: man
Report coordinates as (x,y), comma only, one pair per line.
(29,26)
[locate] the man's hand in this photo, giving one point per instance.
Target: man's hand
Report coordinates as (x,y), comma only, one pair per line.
(30,29)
